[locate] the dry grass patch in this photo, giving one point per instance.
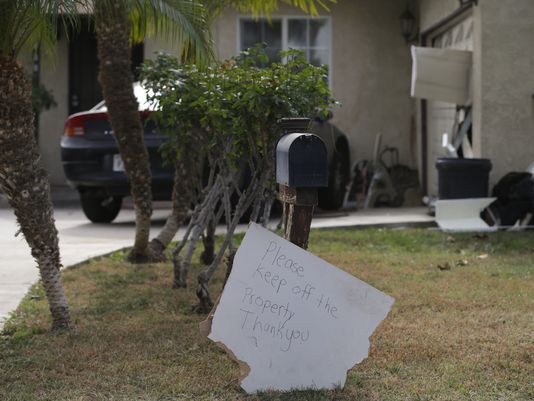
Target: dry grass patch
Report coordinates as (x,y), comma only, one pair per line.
(461,334)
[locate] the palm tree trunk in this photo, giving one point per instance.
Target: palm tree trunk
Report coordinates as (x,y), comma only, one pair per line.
(25,184)
(116,79)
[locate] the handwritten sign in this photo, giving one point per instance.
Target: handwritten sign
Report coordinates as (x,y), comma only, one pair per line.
(297,321)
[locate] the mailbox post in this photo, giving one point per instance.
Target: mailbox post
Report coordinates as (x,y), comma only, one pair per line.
(301,168)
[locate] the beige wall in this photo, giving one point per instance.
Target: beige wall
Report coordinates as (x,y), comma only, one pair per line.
(371,73)
(156,45)
(54,76)
(507,84)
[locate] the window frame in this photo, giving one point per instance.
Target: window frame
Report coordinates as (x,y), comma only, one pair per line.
(284,20)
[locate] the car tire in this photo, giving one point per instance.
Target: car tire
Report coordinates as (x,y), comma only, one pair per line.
(333,196)
(100,209)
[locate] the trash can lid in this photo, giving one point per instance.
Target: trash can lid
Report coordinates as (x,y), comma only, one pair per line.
(458,164)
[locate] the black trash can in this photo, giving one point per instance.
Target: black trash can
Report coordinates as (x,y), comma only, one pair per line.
(463,178)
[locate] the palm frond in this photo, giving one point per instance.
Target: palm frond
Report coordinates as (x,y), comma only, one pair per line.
(267,7)
(184,22)
(26,23)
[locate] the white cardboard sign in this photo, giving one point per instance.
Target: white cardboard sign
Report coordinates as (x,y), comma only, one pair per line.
(442,74)
(463,214)
(297,321)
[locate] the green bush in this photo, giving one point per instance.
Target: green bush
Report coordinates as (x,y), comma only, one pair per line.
(226,117)
(234,100)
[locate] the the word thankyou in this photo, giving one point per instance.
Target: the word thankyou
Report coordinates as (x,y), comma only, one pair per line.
(297,321)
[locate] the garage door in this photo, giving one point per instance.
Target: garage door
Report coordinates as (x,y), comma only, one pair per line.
(440,115)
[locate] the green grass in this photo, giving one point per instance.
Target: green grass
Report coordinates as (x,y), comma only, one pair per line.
(466,333)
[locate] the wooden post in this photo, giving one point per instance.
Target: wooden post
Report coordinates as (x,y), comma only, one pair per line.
(299,204)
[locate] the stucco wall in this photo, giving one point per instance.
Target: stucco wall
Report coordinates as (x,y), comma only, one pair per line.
(153,46)
(371,73)
(432,11)
(54,76)
(507,84)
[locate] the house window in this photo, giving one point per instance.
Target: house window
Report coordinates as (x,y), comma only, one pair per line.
(311,35)
(261,31)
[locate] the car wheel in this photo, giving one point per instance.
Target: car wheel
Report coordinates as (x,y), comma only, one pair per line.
(100,209)
(332,197)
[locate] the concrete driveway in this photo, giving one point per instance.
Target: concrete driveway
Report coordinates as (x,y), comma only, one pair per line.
(80,240)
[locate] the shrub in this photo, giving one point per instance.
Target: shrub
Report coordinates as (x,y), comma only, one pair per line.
(227,115)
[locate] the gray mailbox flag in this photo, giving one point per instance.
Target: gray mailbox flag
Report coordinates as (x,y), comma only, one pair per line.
(292,319)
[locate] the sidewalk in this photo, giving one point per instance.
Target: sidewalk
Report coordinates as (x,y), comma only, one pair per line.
(80,239)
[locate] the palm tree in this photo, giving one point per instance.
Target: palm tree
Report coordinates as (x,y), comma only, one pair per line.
(25,24)
(119,23)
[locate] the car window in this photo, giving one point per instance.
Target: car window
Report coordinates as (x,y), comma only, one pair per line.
(140,95)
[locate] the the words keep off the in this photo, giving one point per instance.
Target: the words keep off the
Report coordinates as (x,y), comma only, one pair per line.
(297,321)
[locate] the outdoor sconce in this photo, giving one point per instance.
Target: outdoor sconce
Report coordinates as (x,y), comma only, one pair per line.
(408,25)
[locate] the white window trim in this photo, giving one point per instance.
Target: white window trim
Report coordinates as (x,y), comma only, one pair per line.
(284,19)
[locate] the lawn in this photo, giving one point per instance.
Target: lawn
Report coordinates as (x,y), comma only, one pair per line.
(462,327)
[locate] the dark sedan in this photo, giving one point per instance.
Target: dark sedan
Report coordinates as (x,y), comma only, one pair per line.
(93,166)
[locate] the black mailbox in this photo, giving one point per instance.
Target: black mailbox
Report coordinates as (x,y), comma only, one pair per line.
(301,161)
